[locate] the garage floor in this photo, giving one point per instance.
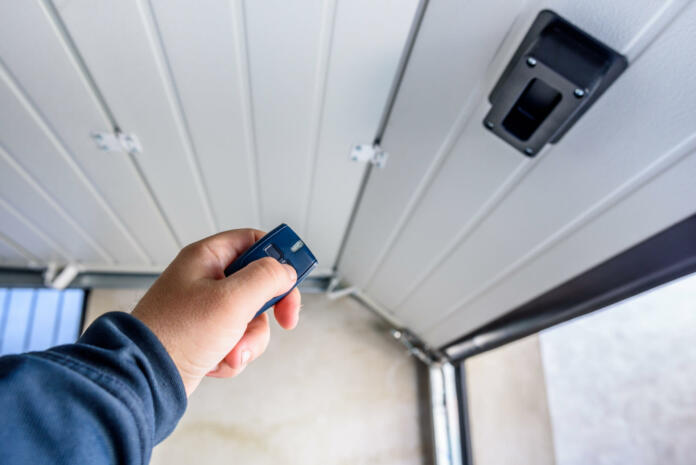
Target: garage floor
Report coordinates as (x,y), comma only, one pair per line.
(335,390)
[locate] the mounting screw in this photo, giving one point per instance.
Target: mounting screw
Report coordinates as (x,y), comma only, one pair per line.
(529,151)
(396,334)
(531,62)
(489,124)
(579,93)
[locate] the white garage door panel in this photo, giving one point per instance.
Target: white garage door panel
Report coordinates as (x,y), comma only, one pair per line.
(364,56)
(44,158)
(667,199)
(456,42)
(614,142)
(246,112)
(21,191)
(618,23)
(121,47)
(472,177)
(285,40)
(478,172)
(11,254)
(29,237)
(441,223)
(110,178)
(205,48)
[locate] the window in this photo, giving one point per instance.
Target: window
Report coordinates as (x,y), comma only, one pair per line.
(35,319)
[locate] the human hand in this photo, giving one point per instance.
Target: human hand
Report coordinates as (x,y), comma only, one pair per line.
(206,320)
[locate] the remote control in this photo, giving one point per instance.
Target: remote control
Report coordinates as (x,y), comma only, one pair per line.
(283,244)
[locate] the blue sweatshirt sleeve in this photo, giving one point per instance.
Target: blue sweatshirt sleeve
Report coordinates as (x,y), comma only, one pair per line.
(109,398)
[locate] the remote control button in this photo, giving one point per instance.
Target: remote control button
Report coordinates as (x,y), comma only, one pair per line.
(271,251)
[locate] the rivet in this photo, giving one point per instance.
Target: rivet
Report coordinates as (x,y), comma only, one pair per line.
(529,151)
(489,124)
(579,93)
(531,62)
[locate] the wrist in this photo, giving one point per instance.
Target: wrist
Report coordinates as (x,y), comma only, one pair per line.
(188,379)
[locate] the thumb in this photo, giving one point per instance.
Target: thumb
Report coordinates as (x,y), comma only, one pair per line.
(257,283)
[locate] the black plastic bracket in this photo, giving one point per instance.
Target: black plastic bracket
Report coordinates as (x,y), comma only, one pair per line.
(556,74)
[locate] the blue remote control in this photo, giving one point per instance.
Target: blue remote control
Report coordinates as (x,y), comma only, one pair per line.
(284,245)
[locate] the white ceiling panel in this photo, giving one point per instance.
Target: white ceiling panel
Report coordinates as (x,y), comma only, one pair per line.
(479,208)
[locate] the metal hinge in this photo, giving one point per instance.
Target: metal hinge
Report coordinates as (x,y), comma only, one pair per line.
(416,347)
(117,142)
(369,153)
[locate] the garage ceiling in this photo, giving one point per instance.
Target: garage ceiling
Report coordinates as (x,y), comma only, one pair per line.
(246,112)
(461,228)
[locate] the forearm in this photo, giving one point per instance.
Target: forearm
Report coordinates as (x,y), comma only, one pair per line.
(109,398)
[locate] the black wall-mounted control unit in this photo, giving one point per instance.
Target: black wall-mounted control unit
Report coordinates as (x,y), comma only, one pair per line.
(556,74)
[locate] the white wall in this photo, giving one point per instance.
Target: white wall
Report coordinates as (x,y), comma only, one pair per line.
(507,406)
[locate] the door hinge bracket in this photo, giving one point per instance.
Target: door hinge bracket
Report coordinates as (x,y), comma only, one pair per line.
(117,142)
(369,153)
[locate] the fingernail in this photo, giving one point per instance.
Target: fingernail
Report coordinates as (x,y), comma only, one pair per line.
(292,274)
(246,355)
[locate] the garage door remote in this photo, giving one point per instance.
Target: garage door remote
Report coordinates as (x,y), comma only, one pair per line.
(284,245)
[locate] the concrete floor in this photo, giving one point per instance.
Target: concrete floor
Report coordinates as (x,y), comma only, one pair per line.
(336,390)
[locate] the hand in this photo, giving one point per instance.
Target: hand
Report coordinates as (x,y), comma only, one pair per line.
(206,320)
